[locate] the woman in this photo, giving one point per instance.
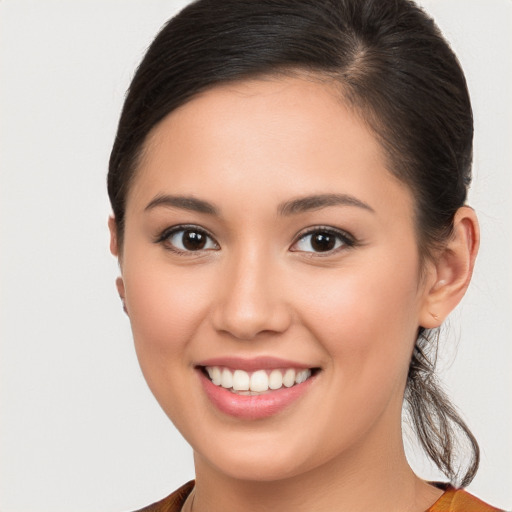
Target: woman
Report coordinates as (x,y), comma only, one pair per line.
(288,184)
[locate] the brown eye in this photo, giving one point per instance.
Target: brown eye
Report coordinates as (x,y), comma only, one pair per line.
(322,240)
(193,241)
(188,240)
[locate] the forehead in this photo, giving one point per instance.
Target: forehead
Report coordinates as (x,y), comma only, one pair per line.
(291,135)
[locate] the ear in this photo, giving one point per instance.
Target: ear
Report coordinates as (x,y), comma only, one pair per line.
(112,226)
(452,270)
(114,249)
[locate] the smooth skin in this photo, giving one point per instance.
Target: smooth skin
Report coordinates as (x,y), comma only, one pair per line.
(259,285)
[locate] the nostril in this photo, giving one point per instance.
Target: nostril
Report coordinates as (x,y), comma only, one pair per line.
(248,323)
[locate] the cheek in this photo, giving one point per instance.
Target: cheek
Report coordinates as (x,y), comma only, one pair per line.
(367,321)
(166,307)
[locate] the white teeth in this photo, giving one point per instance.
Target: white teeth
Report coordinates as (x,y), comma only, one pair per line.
(275,379)
(240,380)
(289,378)
(259,381)
(215,374)
(227,379)
(302,376)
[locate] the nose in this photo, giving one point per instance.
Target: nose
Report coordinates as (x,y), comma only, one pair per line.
(251,299)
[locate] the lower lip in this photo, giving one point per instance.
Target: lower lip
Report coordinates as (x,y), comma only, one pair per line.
(252,407)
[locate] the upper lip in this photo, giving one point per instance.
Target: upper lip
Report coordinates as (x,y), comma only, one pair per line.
(253,364)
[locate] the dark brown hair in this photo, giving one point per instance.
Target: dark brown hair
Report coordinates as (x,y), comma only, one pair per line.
(394,68)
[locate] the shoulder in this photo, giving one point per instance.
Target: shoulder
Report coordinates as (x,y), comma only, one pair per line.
(452,500)
(173,502)
(459,500)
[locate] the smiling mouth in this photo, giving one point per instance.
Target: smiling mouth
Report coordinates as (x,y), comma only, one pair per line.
(258,382)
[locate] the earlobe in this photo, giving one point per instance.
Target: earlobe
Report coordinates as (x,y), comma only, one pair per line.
(121,291)
(453,269)
(112,226)
(120,287)
(114,249)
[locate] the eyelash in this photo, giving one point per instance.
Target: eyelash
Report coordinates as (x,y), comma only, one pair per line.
(164,238)
(347,240)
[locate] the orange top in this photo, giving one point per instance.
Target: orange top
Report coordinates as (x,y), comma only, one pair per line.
(452,500)
(458,500)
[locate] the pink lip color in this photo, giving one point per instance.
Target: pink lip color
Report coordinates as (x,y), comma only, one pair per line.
(253,364)
(255,406)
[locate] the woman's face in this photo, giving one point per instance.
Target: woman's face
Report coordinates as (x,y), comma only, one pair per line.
(266,241)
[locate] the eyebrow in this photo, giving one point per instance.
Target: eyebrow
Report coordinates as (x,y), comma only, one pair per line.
(184,202)
(292,207)
(315,202)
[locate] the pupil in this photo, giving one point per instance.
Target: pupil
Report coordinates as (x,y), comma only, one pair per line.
(193,241)
(322,242)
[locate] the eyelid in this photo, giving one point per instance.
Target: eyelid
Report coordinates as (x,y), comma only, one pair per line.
(169,231)
(348,240)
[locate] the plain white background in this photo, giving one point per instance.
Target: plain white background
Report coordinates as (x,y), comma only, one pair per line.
(79,429)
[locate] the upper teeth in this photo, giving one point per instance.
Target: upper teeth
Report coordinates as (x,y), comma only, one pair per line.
(258,381)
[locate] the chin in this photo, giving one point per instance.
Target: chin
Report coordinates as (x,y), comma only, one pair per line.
(253,457)
(257,468)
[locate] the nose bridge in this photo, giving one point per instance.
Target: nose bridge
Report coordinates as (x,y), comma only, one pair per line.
(251,301)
